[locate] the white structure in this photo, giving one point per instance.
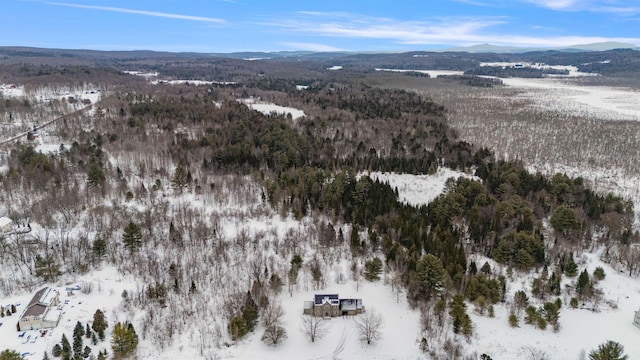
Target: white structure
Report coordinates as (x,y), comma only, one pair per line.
(5,224)
(41,313)
(636,320)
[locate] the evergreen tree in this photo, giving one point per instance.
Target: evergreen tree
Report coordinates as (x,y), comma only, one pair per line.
(99,324)
(87,352)
(47,268)
(598,273)
(429,277)
(87,331)
(10,355)
(132,236)
(583,285)
(66,346)
(77,346)
(95,175)
(513,320)
(124,340)
(237,328)
(57,350)
(181,177)
(250,312)
(78,330)
(461,320)
(610,350)
(99,247)
(372,269)
(570,267)
(551,313)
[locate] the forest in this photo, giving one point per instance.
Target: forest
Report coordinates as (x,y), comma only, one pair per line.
(148,180)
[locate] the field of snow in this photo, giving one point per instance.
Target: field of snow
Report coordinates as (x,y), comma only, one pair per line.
(431,73)
(268,108)
(593,101)
(419,189)
(573,70)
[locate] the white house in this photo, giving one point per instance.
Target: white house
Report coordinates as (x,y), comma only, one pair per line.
(41,313)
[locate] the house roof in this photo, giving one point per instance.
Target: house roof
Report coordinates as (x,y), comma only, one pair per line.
(326,298)
(350,304)
(40,302)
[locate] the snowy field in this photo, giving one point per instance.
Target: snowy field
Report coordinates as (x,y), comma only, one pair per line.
(431,73)
(269,108)
(600,102)
(419,189)
(572,70)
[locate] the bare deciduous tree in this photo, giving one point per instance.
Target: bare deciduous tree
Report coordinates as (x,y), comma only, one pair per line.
(313,327)
(272,314)
(370,326)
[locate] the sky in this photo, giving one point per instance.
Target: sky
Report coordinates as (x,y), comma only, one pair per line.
(320,25)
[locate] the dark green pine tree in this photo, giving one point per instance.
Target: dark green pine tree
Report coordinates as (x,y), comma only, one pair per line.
(87,352)
(95,175)
(429,277)
(610,350)
(582,285)
(99,247)
(570,267)
(66,346)
(132,237)
(250,312)
(77,346)
(78,330)
(99,323)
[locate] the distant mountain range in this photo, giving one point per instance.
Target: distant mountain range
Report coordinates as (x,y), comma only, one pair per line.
(18,51)
(488,48)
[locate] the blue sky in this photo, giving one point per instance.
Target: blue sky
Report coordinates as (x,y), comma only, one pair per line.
(321,25)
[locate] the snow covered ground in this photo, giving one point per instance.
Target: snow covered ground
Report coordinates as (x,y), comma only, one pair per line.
(399,333)
(268,108)
(431,73)
(593,101)
(572,70)
(580,329)
(419,189)
(107,286)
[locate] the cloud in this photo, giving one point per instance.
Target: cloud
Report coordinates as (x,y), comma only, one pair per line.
(443,31)
(598,6)
(141,12)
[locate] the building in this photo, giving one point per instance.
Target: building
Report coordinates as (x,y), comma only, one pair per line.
(330,305)
(636,320)
(41,313)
